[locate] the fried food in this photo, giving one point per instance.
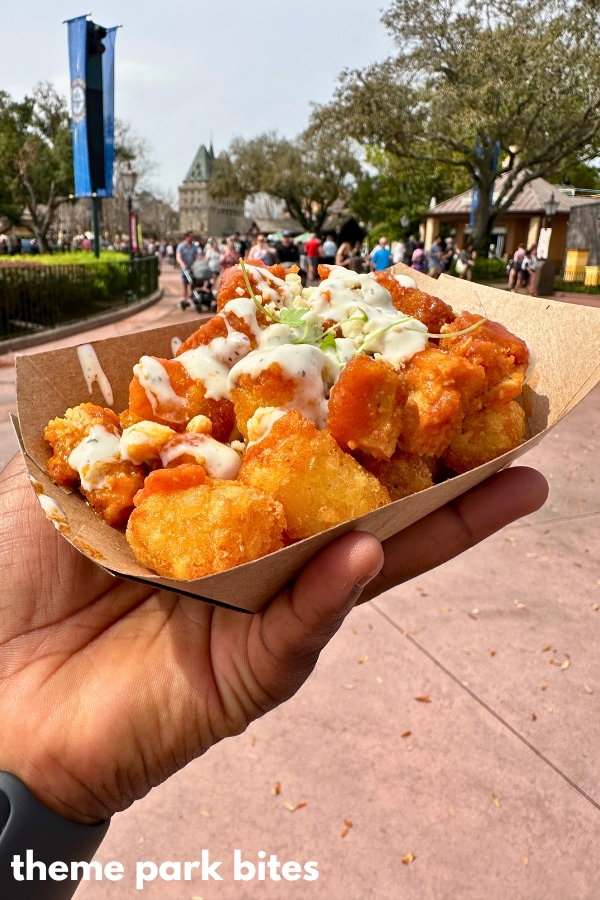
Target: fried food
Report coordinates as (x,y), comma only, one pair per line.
(441,389)
(411,301)
(170,396)
(317,484)
(502,355)
(143,441)
(64,434)
(220,327)
(219,460)
(366,406)
(267,282)
(186,525)
(402,475)
(485,435)
(85,447)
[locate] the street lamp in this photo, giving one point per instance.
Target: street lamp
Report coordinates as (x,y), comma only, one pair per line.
(129,178)
(550,208)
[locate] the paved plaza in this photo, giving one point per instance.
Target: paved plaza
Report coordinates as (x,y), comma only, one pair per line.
(448,743)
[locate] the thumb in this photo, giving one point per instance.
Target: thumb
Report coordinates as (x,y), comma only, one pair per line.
(286,639)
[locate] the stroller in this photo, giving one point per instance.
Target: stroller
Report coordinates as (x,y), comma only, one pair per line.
(200,280)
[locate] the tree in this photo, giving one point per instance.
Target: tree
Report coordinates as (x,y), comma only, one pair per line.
(518,76)
(400,188)
(308,174)
(35,158)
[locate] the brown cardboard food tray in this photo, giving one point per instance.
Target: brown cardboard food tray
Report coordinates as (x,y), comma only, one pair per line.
(564,337)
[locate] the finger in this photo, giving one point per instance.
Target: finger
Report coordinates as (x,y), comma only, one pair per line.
(454,528)
(286,639)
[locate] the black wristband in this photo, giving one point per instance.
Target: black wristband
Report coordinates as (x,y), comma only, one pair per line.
(27,825)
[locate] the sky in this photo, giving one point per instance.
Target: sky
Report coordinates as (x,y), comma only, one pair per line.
(185,72)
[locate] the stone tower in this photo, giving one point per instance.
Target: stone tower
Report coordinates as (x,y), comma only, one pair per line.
(201,213)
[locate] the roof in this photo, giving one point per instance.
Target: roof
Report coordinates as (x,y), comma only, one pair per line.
(271,226)
(530,201)
(201,168)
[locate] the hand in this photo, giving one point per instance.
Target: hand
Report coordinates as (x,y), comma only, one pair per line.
(107,687)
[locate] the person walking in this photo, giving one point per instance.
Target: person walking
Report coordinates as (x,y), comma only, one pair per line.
(329,251)
(465,262)
(418,259)
(411,246)
(343,255)
(229,256)
(212,255)
(515,267)
(399,251)
(434,258)
(287,252)
(260,250)
(381,255)
(312,248)
(186,255)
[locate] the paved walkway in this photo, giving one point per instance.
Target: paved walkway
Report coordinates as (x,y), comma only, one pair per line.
(494,785)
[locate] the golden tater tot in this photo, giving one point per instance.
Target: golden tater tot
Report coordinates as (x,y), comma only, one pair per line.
(143,441)
(187,526)
(402,475)
(317,484)
(485,435)
(411,301)
(366,406)
(442,388)
(185,401)
(64,434)
(502,355)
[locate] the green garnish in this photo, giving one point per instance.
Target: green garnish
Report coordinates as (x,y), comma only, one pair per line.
(253,295)
(363,317)
(328,343)
(452,334)
(372,337)
(293,318)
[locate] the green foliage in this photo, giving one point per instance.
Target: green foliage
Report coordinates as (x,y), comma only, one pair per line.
(75,258)
(400,188)
(524,73)
(485,269)
(309,173)
(575,287)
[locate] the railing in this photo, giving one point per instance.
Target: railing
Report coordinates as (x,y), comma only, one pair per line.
(35,298)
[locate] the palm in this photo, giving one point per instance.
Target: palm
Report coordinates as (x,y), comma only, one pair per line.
(123,685)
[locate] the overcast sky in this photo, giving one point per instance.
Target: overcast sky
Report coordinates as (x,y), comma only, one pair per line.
(188,70)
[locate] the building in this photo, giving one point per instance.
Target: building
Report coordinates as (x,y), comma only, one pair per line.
(520,224)
(201,213)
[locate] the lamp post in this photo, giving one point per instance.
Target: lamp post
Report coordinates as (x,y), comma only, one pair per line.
(129,178)
(550,207)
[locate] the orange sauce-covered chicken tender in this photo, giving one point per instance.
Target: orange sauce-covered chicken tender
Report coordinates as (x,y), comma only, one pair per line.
(85,445)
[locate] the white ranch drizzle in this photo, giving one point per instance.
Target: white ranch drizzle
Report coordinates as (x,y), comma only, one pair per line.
(259,426)
(343,293)
(99,446)
(53,511)
(531,365)
(93,371)
(303,364)
(210,363)
(219,460)
(155,380)
(273,289)
(406,281)
(176,343)
(245,310)
(397,344)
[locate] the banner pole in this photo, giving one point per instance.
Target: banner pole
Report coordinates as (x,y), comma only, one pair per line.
(96,224)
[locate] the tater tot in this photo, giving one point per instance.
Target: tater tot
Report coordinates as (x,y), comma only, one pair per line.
(233,283)
(411,301)
(268,388)
(402,475)
(366,406)
(187,532)
(502,355)
(485,435)
(442,389)
(216,327)
(317,484)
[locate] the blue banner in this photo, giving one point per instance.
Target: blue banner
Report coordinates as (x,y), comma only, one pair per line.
(79,127)
(108,84)
(77,64)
